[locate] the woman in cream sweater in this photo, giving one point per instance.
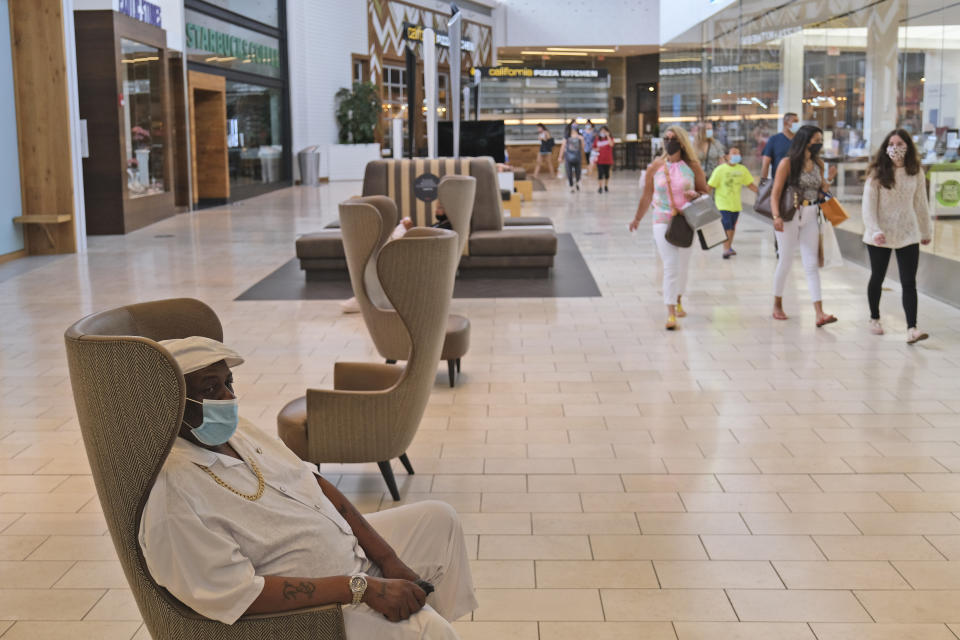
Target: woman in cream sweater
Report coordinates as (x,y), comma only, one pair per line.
(895,218)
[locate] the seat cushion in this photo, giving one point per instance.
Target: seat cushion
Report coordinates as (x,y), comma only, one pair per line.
(527,221)
(292,426)
(457,341)
(514,242)
(322,244)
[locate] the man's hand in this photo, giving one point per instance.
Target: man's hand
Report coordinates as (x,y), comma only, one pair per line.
(396,599)
(396,569)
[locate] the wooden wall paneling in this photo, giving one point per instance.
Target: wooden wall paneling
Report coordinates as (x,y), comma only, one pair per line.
(43,123)
(98,77)
(208,132)
(179,128)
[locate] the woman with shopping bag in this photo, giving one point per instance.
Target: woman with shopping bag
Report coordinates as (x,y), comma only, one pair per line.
(795,201)
(671,182)
(896,217)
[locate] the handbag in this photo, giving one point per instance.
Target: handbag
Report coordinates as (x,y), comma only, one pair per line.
(702,212)
(679,232)
(789,201)
(711,235)
(833,211)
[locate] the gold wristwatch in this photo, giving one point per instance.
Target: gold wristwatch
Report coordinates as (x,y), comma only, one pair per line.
(358,585)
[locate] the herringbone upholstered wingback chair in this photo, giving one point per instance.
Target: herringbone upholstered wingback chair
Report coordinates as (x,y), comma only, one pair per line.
(130,395)
(361,246)
(374,410)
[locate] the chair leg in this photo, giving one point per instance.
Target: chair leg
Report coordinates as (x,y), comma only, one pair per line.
(391,361)
(452,371)
(458,365)
(405,461)
(387,473)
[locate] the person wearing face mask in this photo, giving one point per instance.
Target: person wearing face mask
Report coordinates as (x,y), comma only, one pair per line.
(603,148)
(236,524)
(896,217)
(710,151)
(726,182)
(571,153)
(778,145)
(802,169)
(672,182)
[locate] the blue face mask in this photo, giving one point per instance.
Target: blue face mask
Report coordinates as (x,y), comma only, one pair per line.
(220,419)
(736,158)
(795,127)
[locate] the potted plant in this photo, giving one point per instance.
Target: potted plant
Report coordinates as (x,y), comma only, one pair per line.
(358,109)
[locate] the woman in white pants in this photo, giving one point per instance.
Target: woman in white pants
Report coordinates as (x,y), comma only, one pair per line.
(672,181)
(802,169)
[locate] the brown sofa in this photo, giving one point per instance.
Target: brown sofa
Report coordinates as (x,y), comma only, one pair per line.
(526,243)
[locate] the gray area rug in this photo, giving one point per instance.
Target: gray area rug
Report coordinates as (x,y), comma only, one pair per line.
(569,278)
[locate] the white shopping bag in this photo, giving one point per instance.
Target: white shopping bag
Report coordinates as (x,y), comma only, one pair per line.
(831,248)
(711,235)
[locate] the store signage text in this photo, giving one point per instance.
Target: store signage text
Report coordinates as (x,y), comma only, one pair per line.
(228,46)
(414,33)
(766,36)
(141,10)
(531,72)
(720,68)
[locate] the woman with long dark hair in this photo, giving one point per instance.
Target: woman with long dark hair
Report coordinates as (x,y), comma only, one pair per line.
(803,170)
(896,217)
(672,182)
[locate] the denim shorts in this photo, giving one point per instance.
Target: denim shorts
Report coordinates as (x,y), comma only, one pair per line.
(729,219)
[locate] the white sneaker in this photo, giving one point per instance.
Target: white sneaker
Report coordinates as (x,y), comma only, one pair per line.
(915,335)
(350,306)
(572,189)
(875,327)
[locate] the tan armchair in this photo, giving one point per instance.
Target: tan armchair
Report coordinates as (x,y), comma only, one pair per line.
(130,395)
(374,410)
(391,340)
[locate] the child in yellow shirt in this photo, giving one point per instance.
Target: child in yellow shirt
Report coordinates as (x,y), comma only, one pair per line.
(725,183)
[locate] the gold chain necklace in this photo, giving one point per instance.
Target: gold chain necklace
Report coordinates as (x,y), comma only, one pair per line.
(251,497)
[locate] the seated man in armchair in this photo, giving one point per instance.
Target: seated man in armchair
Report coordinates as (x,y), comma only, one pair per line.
(237,524)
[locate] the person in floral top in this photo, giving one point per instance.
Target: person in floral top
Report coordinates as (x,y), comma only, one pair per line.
(677,167)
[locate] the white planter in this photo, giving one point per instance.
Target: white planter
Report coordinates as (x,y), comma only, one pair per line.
(348,161)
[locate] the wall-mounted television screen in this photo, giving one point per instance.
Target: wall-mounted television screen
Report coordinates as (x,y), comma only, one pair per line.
(477,138)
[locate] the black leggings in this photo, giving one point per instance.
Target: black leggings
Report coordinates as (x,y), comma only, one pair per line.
(908,258)
(603,172)
(573,168)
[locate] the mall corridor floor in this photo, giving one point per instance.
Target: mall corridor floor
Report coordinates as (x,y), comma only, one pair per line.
(739,478)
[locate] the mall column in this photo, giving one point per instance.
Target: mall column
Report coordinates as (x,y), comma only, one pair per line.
(880,91)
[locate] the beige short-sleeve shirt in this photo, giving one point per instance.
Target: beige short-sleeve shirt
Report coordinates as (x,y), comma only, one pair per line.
(210,547)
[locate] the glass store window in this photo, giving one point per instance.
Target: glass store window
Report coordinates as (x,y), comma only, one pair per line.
(244,41)
(142,108)
(254,133)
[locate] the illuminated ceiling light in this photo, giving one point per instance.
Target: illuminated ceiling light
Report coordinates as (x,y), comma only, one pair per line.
(505,61)
(552,53)
(923,79)
(815,85)
(715,100)
(650,89)
(581,49)
(758,101)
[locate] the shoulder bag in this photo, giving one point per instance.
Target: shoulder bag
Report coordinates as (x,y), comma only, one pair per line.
(679,232)
(789,200)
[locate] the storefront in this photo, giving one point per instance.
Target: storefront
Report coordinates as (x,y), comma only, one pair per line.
(238,98)
(855,70)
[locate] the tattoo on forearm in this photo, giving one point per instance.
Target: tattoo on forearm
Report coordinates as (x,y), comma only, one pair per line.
(292,591)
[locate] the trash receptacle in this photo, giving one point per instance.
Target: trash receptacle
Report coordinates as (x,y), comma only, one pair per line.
(309,160)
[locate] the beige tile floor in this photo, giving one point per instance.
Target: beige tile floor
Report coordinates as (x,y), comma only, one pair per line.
(739,478)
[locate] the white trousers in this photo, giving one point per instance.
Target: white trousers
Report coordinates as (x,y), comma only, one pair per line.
(802,231)
(676,265)
(429,539)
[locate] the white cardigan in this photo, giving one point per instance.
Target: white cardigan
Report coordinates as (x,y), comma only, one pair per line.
(901,213)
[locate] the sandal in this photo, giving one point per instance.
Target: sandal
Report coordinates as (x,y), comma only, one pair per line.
(826,320)
(680,312)
(671,323)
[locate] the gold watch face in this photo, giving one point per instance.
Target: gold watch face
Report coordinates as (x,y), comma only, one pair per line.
(357,583)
